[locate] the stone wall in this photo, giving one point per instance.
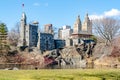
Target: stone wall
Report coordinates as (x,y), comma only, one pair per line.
(59,43)
(68,42)
(31,35)
(46,41)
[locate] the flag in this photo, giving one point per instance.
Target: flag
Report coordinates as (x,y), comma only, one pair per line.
(22,5)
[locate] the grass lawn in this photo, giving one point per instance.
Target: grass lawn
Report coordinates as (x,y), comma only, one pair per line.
(61,74)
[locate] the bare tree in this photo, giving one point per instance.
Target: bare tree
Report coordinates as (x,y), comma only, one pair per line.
(107,28)
(13,35)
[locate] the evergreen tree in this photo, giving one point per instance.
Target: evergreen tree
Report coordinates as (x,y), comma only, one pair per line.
(3,28)
(3,38)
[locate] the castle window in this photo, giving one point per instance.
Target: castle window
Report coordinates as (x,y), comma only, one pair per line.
(78,40)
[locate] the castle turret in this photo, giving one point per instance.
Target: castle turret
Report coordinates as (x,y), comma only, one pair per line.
(77,26)
(22,30)
(87,25)
(24,18)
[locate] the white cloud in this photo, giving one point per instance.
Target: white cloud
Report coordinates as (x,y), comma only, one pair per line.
(111,13)
(40,4)
(36,4)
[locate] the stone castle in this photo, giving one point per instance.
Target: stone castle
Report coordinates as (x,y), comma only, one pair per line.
(30,35)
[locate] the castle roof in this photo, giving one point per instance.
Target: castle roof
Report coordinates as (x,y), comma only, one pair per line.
(78,21)
(87,18)
(35,22)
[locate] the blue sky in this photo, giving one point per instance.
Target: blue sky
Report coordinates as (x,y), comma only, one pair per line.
(57,12)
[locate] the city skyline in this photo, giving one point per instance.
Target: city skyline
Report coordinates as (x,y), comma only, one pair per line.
(58,13)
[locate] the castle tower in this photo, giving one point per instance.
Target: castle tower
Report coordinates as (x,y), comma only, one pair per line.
(38,43)
(77,26)
(22,30)
(48,28)
(87,25)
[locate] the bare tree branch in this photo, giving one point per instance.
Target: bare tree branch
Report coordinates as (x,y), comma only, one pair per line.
(107,28)
(13,35)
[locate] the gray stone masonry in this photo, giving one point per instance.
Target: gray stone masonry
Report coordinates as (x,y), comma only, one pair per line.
(46,41)
(31,37)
